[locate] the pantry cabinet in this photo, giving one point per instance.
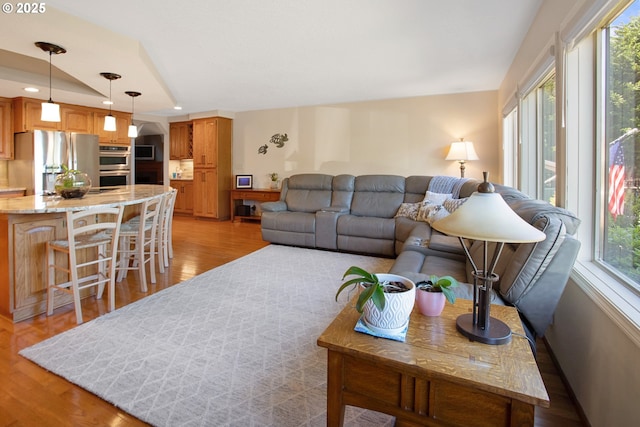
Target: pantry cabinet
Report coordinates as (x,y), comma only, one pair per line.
(212,177)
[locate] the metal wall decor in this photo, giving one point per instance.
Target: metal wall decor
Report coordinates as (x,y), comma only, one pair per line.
(277,139)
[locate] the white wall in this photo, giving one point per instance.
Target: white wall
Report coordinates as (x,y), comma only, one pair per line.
(408,136)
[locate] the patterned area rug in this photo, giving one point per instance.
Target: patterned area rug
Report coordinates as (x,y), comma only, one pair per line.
(235,346)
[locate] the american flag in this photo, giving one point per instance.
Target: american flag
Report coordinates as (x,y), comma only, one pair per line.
(616,179)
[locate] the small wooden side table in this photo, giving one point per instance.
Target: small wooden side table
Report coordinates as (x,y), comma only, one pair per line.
(437,377)
(258,194)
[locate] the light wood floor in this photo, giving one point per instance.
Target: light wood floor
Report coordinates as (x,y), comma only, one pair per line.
(32,397)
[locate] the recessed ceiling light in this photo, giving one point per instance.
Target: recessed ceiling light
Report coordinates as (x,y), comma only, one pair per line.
(107,102)
(177,107)
(31,89)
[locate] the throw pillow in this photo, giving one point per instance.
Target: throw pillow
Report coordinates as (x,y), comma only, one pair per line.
(431,212)
(452,204)
(437,198)
(409,210)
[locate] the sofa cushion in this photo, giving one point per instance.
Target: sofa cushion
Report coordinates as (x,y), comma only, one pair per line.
(298,222)
(343,187)
(308,192)
(361,226)
(377,196)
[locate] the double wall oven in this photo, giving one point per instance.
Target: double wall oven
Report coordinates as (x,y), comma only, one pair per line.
(115,165)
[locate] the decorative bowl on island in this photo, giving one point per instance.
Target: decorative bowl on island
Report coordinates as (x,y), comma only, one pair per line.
(72,184)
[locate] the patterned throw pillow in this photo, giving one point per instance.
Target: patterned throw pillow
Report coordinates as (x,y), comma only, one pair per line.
(431,212)
(409,210)
(452,204)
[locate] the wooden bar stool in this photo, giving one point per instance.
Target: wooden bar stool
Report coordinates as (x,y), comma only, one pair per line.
(90,250)
(137,246)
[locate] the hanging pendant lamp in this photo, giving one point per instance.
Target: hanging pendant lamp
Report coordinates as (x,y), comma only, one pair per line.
(133,129)
(50,110)
(109,120)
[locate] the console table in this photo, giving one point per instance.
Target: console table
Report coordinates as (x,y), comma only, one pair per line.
(258,194)
(437,377)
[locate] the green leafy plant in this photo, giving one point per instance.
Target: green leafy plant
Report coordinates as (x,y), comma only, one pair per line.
(444,284)
(273,176)
(374,289)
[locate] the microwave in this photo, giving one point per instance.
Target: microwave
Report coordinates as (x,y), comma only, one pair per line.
(145,152)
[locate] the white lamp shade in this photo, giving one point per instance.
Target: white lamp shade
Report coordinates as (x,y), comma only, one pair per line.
(133,131)
(462,150)
(109,123)
(50,112)
(487,217)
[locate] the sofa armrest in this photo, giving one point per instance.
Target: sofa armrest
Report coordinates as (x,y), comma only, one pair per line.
(278,206)
(327,227)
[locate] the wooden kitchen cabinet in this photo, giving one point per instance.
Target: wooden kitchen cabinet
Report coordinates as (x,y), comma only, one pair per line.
(76,119)
(181,140)
(212,177)
(120,135)
(206,202)
(6,129)
(184,197)
(26,116)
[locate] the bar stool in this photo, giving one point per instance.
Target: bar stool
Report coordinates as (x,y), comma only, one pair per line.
(137,246)
(165,245)
(95,232)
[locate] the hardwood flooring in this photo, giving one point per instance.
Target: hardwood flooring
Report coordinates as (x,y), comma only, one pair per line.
(33,397)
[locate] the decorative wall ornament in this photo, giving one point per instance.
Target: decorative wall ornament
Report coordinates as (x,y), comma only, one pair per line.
(277,139)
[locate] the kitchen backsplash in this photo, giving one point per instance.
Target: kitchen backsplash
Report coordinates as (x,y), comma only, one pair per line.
(185,166)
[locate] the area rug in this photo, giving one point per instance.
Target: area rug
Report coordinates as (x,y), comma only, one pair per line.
(235,346)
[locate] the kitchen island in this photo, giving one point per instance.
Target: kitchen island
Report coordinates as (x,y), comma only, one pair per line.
(26,223)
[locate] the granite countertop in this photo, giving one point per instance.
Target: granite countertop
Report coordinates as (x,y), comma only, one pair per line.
(105,196)
(181,179)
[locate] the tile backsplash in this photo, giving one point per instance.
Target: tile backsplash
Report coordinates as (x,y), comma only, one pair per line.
(186,166)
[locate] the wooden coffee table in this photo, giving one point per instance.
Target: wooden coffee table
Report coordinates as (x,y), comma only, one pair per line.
(437,377)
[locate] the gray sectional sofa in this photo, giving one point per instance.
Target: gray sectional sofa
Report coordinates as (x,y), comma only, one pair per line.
(389,215)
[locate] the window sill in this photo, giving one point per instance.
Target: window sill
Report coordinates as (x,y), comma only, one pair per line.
(620,304)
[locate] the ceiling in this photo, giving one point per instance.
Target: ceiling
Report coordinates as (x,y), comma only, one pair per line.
(242,55)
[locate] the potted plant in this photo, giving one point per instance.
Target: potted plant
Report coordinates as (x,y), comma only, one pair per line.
(385,300)
(431,294)
(274,179)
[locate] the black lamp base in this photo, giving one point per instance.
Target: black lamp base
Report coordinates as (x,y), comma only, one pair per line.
(498,332)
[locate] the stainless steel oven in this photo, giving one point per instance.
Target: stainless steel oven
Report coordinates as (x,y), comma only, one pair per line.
(115,177)
(115,157)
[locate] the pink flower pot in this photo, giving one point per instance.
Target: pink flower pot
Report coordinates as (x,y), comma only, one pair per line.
(430,303)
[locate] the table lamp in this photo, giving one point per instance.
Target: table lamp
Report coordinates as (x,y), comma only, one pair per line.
(462,151)
(486,217)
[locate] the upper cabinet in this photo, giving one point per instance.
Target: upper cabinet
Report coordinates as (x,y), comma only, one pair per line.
(119,136)
(208,134)
(181,140)
(26,116)
(76,119)
(6,129)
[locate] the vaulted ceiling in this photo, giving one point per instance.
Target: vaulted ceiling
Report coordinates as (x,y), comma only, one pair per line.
(242,55)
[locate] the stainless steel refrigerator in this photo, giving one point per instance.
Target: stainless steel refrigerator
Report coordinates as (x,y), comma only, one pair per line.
(39,156)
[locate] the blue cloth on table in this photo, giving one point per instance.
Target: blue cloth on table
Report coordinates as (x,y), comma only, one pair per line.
(400,336)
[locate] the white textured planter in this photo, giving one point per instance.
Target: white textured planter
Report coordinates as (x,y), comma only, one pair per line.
(397,309)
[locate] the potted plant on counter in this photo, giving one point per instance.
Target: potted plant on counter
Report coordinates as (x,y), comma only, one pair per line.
(386,300)
(431,294)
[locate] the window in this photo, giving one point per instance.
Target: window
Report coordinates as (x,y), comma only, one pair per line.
(620,210)
(538,152)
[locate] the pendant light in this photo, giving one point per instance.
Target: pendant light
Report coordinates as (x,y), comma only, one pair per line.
(133,129)
(109,120)
(50,110)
